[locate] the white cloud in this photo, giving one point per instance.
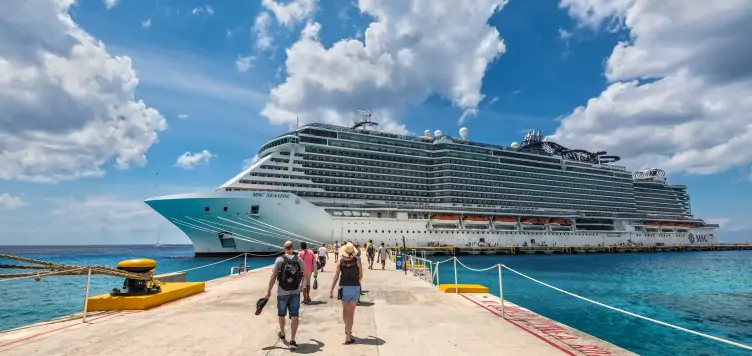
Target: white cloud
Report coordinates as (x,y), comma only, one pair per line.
(190,161)
(93,220)
(204,9)
(146,23)
(9,202)
(244,63)
(292,12)
(564,34)
(261,30)
(680,96)
(247,163)
(68,105)
(110,3)
(183,116)
(228,33)
(413,49)
(493,100)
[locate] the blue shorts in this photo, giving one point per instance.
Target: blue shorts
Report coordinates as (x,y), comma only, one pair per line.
(350,294)
(288,302)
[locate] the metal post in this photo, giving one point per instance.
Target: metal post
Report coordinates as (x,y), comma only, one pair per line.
(86,298)
(438,281)
(501,293)
(456,287)
(245,262)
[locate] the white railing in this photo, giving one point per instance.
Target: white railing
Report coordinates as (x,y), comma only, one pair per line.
(455,260)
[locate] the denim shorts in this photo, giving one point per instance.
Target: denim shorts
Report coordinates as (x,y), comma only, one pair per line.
(350,294)
(288,302)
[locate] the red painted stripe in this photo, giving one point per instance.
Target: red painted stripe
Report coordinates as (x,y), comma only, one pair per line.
(58,329)
(231,278)
(520,326)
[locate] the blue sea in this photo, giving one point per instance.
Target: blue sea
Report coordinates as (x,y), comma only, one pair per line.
(710,292)
(26,301)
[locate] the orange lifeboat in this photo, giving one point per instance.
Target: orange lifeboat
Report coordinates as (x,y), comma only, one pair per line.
(535,221)
(505,220)
(445,217)
(652,223)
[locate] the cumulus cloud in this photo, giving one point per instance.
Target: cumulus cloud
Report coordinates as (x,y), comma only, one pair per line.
(110,3)
(183,116)
(412,49)
(204,9)
(68,105)
(190,161)
(291,12)
(680,95)
(9,202)
(146,23)
(244,63)
(261,30)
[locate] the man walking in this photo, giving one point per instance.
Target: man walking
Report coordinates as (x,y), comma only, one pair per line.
(370,251)
(382,255)
(323,256)
(288,271)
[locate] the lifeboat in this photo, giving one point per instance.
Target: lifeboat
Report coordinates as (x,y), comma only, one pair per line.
(445,217)
(337,213)
(346,213)
(652,223)
(668,223)
(475,221)
(505,220)
(356,213)
(534,221)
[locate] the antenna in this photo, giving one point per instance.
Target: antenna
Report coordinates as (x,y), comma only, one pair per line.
(297,122)
(364,119)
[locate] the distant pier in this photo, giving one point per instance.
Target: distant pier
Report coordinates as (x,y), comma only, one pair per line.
(568,250)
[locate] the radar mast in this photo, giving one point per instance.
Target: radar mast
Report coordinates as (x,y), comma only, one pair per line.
(364,120)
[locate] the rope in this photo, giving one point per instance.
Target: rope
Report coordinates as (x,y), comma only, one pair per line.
(633,314)
(476,270)
(211,264)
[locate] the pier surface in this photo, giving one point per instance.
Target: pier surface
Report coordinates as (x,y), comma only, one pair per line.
(399,315)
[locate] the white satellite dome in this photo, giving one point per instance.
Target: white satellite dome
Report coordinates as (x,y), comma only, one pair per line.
(427,133)
(437,133)
(515,145)
(646,172)
(463,133)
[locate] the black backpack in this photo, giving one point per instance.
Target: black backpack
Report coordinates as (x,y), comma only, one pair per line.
(370,249)
(290,274)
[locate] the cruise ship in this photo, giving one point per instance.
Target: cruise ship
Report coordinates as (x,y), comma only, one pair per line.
(322,183)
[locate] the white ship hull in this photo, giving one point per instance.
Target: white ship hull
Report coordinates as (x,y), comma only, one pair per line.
(284,216)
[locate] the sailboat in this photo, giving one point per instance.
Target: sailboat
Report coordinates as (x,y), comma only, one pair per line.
(158,244)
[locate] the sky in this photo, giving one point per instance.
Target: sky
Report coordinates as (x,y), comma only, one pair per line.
(108,102)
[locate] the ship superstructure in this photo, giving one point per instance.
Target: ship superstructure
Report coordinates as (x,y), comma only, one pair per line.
(323,183)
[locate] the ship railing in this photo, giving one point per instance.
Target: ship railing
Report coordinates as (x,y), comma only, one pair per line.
(417,263)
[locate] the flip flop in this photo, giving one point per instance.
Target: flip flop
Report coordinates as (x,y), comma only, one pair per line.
(260,304)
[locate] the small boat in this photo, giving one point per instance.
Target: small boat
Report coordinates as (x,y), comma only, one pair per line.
(356,213)
(346,213)
(337,213)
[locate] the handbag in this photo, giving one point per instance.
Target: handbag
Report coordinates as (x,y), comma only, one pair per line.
(339,293)
(315,283)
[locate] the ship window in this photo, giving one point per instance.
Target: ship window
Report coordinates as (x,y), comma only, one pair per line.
(254,210)
(348,231)
(361,231)
(224,209)
(225,241)
(206,209)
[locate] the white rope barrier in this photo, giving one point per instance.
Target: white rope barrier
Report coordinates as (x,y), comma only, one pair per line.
(711,337)
(501,296)
(211,264)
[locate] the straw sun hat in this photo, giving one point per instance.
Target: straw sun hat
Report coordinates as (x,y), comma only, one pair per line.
(348,250)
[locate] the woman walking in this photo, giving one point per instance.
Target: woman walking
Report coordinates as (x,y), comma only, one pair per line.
(349,272)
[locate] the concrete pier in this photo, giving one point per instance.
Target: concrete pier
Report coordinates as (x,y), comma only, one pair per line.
(400,315)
